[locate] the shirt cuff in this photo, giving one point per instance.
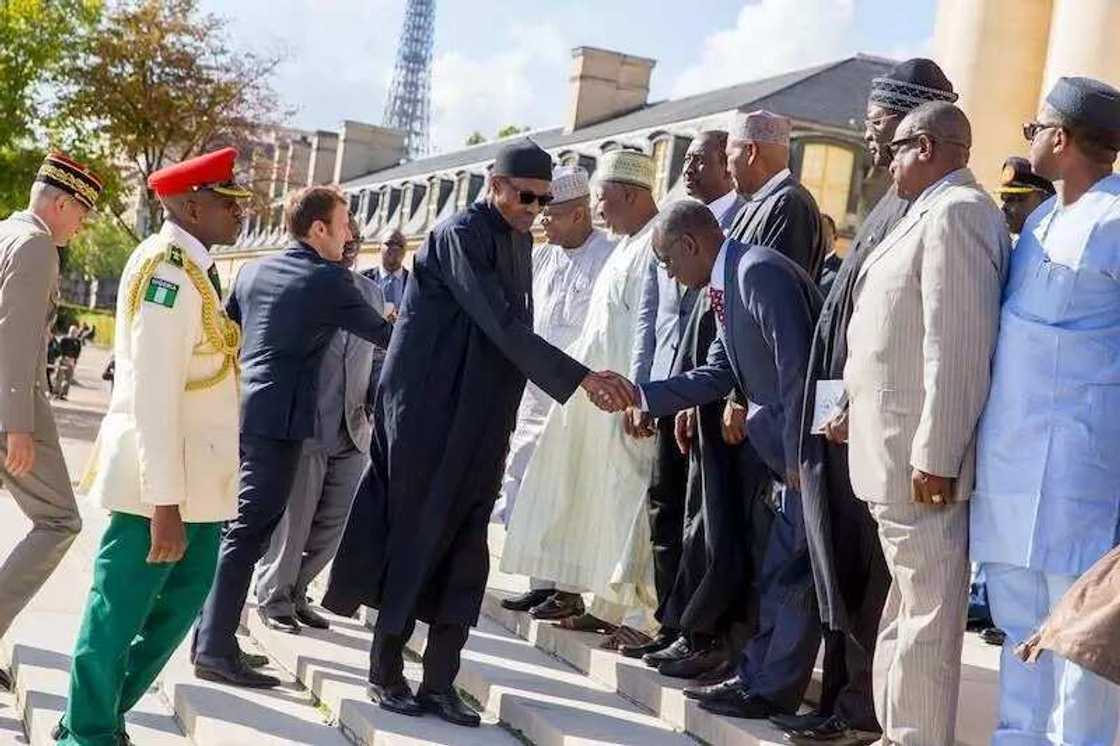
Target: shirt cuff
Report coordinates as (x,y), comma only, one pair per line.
(642,403)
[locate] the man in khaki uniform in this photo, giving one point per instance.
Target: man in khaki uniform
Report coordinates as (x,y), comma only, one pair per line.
(31,464)
(165,464)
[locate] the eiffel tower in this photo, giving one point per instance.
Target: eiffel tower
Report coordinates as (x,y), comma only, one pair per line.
(408,106)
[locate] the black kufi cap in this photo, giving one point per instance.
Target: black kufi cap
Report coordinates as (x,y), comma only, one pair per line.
(1087,101)
(910,84)
(523,159)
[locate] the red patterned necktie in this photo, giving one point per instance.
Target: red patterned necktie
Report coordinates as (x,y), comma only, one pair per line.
(716,297)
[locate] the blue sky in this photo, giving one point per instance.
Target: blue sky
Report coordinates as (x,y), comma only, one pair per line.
(506,61)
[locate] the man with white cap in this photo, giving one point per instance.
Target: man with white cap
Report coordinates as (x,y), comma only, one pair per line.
(580,516)
(564,273)
(780,213)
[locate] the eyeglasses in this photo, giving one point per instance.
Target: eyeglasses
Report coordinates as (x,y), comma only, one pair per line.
(527,198)
(899,145)
(1031,130)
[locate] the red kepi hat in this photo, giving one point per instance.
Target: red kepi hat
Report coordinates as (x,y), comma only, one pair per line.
(211,172)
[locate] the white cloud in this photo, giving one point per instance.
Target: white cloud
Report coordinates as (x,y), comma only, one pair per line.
(523,84)
(771,37)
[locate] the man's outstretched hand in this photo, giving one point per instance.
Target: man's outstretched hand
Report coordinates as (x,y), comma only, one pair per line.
(610,391)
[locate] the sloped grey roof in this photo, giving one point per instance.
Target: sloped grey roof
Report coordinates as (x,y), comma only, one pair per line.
(832,94)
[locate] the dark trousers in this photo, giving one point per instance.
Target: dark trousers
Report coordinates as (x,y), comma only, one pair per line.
(665,505)
(864,580)
(442,655)
(777,661)
(268,467)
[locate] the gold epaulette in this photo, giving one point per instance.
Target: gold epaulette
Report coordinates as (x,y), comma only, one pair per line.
(221,335)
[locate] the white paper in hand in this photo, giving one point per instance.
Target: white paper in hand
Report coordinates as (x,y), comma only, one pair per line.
(830,402)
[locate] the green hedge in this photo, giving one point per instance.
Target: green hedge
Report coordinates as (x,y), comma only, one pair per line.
(102,322)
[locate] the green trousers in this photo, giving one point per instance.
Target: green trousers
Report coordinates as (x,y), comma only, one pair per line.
(135,618)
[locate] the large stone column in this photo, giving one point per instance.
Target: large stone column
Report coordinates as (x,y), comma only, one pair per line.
(1084,40)
(994,51)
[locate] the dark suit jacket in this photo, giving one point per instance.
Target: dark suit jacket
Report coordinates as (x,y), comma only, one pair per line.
(289,305)
(762,350)
(788,221)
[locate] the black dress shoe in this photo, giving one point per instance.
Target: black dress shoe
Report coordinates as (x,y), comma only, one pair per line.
(60,731)
(663,640)
(558,606)
(528,600)
(280,622)
(797,723)
(308,617)
(738,702)
(5,680)
(254,660)
(450,707)
(395,698)
(235,673)
(834,731)
(695,665)
(678,650)
(715,691)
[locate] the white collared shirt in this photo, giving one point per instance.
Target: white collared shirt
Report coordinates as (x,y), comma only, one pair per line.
(188,243)
(720,205)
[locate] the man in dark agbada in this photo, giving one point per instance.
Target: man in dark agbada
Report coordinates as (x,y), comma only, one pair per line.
(415,545)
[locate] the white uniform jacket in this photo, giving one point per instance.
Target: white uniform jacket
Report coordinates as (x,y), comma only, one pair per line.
(171,434)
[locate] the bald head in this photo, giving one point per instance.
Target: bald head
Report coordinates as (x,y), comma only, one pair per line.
(943,121)
(931,142)
(686,241)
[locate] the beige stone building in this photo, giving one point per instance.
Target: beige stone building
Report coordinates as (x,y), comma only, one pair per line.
(1003,56)
(608,108)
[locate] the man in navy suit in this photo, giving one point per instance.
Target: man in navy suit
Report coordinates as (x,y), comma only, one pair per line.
(289,306)
(766,307)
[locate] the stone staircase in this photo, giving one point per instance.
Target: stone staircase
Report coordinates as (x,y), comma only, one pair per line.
(533,682)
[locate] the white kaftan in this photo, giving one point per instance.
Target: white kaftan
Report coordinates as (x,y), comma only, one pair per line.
(562,285)
(580,519)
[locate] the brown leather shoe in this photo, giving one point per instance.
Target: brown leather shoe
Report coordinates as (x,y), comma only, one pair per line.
(558,606)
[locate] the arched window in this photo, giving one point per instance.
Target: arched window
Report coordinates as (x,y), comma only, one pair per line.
(826,171)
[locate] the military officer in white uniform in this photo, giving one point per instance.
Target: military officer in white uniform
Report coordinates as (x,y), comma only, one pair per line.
(165,463)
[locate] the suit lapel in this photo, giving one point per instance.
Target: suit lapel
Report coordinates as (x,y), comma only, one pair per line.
(731,301)
(963,177)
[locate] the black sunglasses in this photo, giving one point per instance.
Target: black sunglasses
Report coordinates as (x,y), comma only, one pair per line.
(906,142)
(1031,130)
(528,198)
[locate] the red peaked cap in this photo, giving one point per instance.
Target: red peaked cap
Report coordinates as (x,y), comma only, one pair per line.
(213,171)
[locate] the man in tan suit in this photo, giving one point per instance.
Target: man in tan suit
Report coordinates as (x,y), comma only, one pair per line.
(920,342)
(31,464)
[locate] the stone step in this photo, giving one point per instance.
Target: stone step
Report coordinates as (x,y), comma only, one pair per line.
(180,710)
(541,698)
(218,715)
(631,679)
(333,665)
(38,646)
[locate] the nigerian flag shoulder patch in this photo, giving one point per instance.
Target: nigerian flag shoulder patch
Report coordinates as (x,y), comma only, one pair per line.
(161,292)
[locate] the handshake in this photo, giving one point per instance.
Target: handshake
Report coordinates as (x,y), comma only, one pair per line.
(610,391)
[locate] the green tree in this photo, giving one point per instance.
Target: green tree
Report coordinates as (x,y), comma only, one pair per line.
(475,138)
(100,249)
(35,41)
(155,82)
